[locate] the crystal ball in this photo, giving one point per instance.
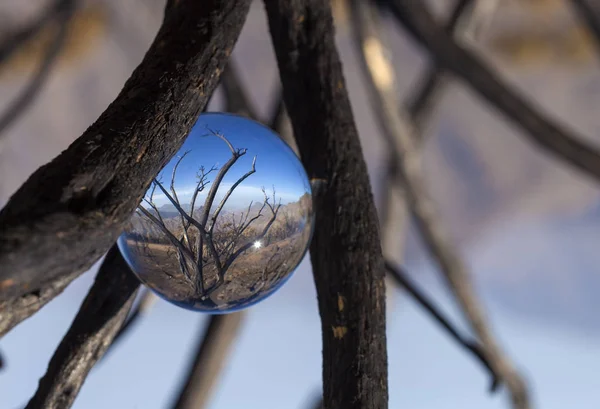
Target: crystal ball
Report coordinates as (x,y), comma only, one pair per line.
(227,220)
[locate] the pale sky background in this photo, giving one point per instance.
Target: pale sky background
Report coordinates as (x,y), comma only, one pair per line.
(528,227)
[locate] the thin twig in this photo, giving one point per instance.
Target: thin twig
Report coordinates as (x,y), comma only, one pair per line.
(101,315)
(24,100)
(345,249)
(401,136)
(209,360)
(470,345)
(539,128)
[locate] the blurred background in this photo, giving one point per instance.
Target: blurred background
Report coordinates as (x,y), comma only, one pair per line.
(527,225)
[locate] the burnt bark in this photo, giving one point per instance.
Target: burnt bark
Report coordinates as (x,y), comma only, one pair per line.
(70,211)
(345,249)
(101,315)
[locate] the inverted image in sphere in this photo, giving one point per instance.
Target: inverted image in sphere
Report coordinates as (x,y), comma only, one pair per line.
(227,220)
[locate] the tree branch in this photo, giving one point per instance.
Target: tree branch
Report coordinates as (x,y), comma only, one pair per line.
(215,343)
(590,16)
(209,360)
(471,346)
(12,42)
(539,128)
(146,302)
(467,19)
(71,210)
(63,14)
(101,315)
(345,249)
(400,136)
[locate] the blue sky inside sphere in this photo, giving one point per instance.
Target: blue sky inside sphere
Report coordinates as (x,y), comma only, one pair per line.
(277,166)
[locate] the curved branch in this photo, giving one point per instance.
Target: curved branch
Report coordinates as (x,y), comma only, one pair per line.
(70,211)
(19,105)
(539,128)
(345,249)
(101,315)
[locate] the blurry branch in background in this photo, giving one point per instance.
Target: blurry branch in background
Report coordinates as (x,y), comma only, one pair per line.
(345,250)
(590,16)
(400,133)
(11,42)
(210,357)
(147,300)
(1,360)
(71,210)
(467,20)
(472,346)
(101,315)
(279,120)
(61,12)
(415,18)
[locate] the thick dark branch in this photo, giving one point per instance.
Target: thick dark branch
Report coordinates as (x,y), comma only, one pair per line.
(71,210)
(472,346)
(24,100)
(540,129)
(101,315)
(209,361)
(345,249)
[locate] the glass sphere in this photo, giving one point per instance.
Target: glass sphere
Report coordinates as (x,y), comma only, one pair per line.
(226,221)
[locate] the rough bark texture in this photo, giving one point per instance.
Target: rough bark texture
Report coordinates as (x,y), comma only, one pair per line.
(345,250)
(101,315)
(71,210)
